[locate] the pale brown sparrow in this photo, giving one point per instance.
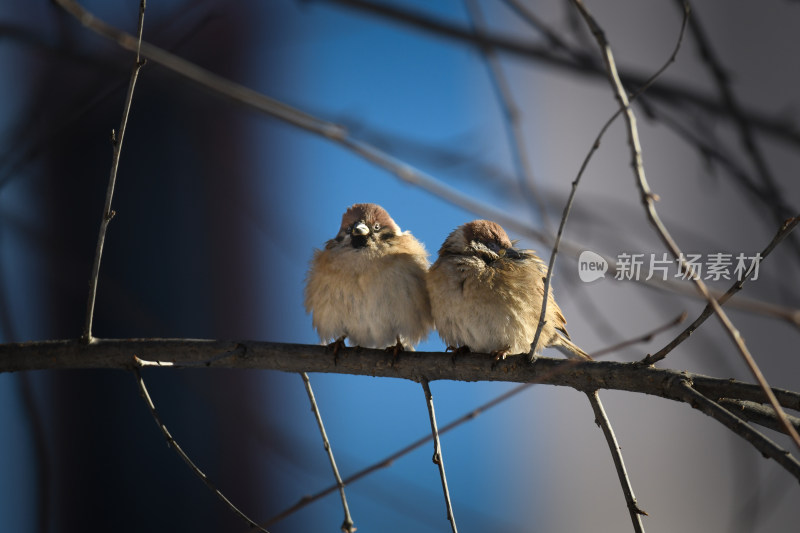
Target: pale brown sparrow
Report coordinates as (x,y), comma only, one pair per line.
(486,296)
(368,284)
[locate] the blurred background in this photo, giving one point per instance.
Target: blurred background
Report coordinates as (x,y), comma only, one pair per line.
(219,207)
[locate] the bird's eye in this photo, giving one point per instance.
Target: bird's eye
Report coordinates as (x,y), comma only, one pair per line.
(376,227)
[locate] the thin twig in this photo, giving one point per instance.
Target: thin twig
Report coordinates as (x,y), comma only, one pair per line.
(647,337)
(175,446)
(601,419)
(509,108)
(592,150)
(347,524)
(755,412)
(437,453)
(108,214)
(648,196)
(784,230)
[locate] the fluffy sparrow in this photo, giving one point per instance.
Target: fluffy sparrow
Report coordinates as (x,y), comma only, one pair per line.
(486,296)
(368,284)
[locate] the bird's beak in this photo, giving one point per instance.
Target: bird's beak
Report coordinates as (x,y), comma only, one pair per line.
(360,229)
(511,253)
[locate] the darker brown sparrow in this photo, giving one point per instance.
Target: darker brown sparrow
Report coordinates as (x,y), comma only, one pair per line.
(486,296)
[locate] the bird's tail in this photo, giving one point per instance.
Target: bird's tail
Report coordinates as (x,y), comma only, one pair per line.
(570,349)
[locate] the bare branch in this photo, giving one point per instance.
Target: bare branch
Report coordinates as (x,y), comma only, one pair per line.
(437,454)
(108,214)
(347,525)
(295,358)
(762,415)
(175,446)
(648,199)
(616,453)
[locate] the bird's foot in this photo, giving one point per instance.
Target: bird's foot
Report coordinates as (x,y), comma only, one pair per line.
(499,355)
(395,350)
(337,345)
(457,351)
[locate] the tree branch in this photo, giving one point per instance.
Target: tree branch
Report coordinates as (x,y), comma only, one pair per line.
(763,415)
(583,376)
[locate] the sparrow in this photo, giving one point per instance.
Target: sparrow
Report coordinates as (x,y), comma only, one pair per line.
(486,295)
(368,284)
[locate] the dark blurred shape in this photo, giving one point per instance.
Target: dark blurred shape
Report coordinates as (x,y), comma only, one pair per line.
(176,264)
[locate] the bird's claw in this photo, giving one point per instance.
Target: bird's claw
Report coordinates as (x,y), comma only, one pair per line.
(395,350)
(336,345)
(499,355)
(457,351)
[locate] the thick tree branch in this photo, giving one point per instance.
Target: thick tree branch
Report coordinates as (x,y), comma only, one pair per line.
(585,376)
(199,353)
